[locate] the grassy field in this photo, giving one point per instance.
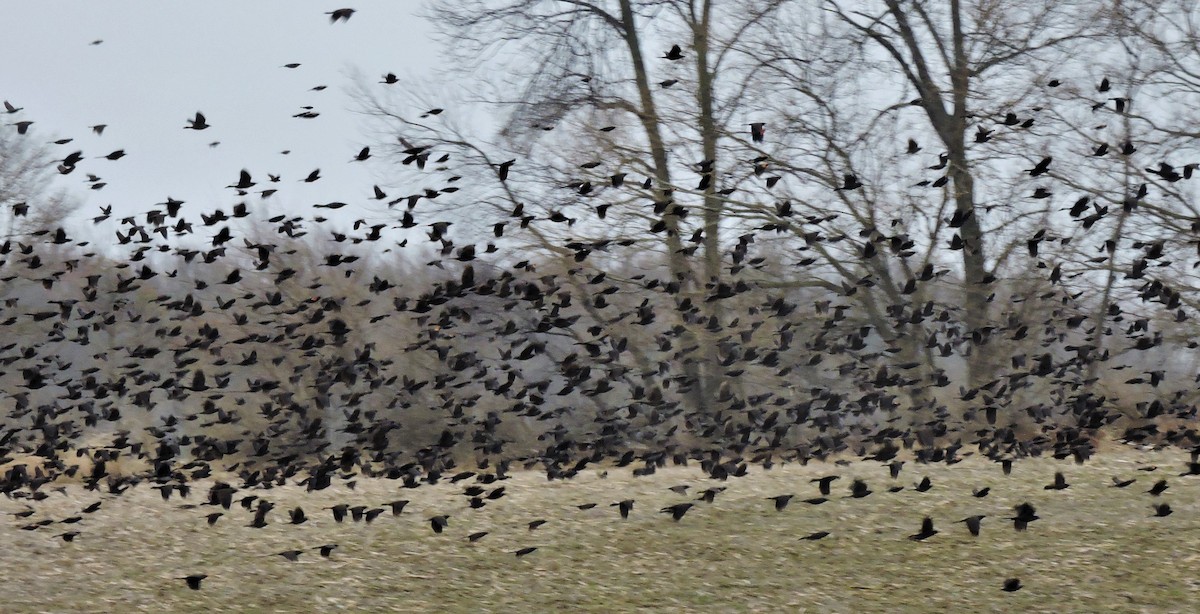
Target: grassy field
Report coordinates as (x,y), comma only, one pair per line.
(1096,548)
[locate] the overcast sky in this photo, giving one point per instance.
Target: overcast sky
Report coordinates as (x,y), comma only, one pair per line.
(161,62)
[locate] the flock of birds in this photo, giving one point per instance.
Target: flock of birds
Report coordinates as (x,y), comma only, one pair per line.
(748,430)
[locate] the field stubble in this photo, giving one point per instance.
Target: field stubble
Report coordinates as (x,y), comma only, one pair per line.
(1095,548)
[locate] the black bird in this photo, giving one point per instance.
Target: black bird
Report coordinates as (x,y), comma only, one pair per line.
(339,511)
(981,493)
(1060,482)
(675,53)
(523,551)
(326,549)
(1119,483)
(1011,585)
(474,537)
(816,500)
(397,506)
(624,507)
(973,523)
(850,182)
(297,516)
(291,555)
(926,532)
(1158,488)
(1025,515)
(823,483)
(781,501)
(193,581)
(676,511)
(244,181)
(859,489)
(1162,510)
(815,536)
(757,130)
(924,485)
(340,15)
(439,523)
(1041,168)
(503,169)
(198,123)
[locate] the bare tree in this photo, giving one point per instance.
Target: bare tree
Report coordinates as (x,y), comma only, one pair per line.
(27,198)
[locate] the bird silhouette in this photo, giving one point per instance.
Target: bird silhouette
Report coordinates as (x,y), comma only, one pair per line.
(926,531)
(342,15)
(193,581)
(197,123)
(676,511)
(973,523)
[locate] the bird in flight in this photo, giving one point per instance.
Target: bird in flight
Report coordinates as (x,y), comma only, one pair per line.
(340,15)
(197,123)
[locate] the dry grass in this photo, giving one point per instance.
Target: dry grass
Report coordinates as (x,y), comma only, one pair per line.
(1097,548)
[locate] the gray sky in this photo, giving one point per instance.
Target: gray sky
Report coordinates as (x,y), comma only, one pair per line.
(161,62)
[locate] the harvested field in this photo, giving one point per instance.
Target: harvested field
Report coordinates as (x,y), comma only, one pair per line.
(1095,548)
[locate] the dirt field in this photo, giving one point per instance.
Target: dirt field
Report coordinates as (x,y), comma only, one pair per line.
(1095,548)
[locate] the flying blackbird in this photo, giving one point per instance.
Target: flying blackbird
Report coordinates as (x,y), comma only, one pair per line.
(1025,515)
(823,483)
(193,581)
(198,123)
(624,507)
(973,523)
(1060,482)
(926,531)
(859,489)
(676,511)
(340,15)
(781,501)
